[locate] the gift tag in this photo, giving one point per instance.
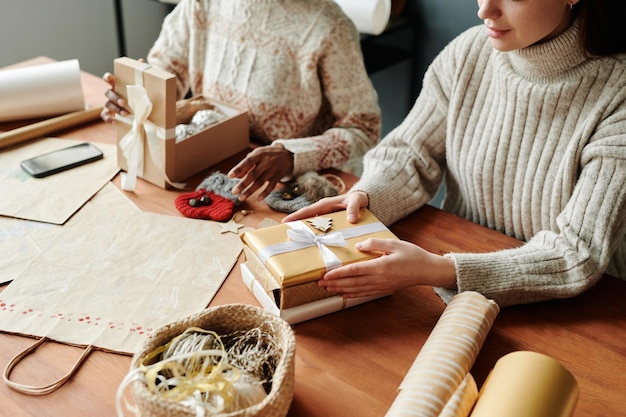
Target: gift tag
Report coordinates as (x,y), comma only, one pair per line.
(323,224)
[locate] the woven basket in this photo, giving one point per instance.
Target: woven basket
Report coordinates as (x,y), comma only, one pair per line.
(224,319)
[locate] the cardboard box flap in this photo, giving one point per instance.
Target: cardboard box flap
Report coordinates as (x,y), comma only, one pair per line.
(159,84)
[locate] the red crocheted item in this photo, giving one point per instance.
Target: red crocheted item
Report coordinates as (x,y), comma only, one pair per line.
(220,209)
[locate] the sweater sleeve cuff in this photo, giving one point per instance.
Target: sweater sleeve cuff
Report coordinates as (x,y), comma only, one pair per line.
(304,155)
(495,275)
(446,294)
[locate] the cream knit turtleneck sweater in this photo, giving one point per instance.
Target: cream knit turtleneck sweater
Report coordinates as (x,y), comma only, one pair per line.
(295,65)
(531,143)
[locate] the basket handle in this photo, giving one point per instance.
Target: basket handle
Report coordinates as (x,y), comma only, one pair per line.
(45,389)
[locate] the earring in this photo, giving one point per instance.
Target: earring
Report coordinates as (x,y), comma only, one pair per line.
(571,5)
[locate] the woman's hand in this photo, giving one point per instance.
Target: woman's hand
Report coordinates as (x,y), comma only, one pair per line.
(402,265)
(262,169)
(115,103)
(351,202)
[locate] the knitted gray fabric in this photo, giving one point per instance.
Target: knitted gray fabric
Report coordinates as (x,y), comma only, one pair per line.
(531,143)
(276,201)
(303,191)
(220,184)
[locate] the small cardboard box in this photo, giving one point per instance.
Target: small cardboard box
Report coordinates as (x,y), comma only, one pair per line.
(288,270)
(178,161)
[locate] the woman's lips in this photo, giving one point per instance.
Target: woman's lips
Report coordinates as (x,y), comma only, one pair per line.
(495,33)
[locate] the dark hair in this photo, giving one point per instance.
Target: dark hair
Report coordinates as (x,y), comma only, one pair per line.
(603,26)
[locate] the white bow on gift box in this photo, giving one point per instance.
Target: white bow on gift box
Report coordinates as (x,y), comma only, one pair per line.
(142,130)
(301,236)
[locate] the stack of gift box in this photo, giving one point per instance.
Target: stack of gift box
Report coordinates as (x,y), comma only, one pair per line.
(285,262)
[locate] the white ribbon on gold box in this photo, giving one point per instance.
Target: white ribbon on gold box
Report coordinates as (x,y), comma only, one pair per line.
(288,259)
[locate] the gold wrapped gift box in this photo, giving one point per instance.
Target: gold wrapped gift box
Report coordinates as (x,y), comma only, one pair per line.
(289,270)
(183,159)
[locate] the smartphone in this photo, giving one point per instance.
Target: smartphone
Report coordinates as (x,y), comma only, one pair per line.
(61,160)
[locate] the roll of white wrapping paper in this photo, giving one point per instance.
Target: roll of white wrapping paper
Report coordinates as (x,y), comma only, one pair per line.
(524,384)
(369,16)
(41,90)
(438,383)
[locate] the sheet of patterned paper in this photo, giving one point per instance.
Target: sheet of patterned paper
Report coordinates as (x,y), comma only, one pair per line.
(113,274)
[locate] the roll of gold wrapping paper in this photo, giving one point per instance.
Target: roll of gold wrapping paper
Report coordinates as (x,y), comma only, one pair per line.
(438,383)
(524,384)
(48,126)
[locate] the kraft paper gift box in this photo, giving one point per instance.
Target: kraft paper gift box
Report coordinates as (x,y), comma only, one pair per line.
(287,260)
(302,312)
(147,146)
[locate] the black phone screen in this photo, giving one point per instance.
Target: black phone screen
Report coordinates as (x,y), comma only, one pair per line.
(61,160)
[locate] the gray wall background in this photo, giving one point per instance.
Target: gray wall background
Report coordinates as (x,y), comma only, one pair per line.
(86,30)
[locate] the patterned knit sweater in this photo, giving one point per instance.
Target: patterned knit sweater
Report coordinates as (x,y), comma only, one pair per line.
(295,65)
(531,143)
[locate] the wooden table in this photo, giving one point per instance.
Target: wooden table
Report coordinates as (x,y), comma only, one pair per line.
(351,363)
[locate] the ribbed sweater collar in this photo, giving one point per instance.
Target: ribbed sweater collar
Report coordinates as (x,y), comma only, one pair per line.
(549,58)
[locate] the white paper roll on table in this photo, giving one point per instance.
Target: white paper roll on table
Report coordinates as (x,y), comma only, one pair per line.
(369,16)
(41,91)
